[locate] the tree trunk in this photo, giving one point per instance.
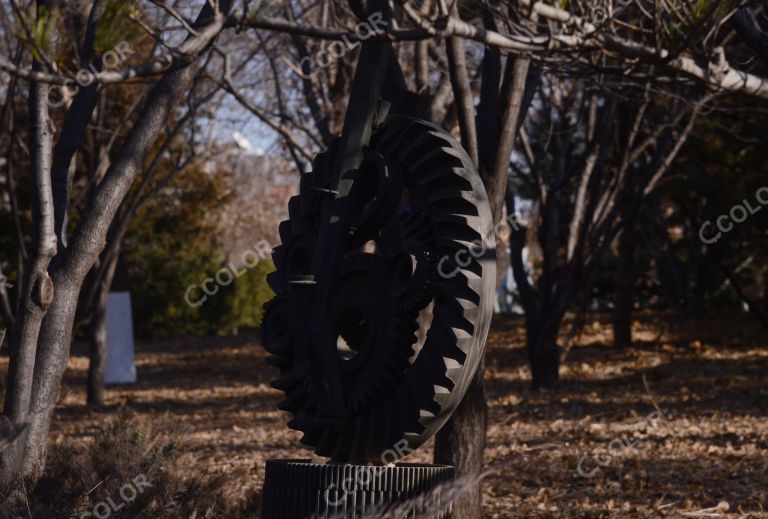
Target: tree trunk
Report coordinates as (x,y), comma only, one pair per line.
(543,355)
(25,458)
(37,290)
(623,296)
(461,442)
(97,351)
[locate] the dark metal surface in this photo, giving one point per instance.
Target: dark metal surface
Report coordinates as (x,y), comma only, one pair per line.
(299,489)
(389,206)
(354,377)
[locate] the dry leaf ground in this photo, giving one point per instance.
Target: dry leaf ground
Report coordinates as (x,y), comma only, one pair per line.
(675,427)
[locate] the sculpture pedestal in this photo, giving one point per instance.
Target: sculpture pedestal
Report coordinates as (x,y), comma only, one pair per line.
(301,489)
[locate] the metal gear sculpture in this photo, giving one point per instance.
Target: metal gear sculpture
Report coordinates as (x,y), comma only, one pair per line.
(374,257)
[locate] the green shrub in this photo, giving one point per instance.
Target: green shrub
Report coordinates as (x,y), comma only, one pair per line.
(171,250)
(246,297)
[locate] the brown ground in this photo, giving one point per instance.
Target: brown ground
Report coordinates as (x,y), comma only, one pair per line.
(593,449)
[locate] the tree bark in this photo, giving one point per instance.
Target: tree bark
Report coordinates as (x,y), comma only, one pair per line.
(72,133)
(462,94)
(37,289)
(26,457)
(97,350)
(461,443)
(543,354)
(623,295)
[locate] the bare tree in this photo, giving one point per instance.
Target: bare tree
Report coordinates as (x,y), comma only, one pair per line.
(41,341)
(583,167)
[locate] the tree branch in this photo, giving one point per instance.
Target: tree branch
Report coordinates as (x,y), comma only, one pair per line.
(72,134)
(36,288)
(462,94)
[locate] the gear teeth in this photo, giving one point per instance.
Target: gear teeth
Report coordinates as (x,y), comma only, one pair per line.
(294,209)
(439,378)
(445,196)
(455,206)
(447,211)
(425,415)
(452,312)
(430,408)
(285,230)
(395,149)
(448,289)
(443,395)
(384,139)
(417,227)
(456,244)
(305,185)
(278,341)
(455,229)
(445,337)
(294,401)
(430,160)
(274,281)
(453,369)
(449,187)
(312,436)
(291,378)
(320,165)
(434,178)
(454,220)
(279,361)
(413,145)
(422,394)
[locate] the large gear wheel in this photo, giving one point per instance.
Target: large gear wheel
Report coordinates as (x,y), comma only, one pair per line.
(418,250)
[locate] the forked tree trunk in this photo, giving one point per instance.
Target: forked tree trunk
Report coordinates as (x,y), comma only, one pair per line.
(25,458)
(623,294)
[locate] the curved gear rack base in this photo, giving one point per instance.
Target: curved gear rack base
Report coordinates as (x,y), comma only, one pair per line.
(300,489)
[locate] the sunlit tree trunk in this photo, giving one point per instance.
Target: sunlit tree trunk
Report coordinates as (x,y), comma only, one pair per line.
(41,345)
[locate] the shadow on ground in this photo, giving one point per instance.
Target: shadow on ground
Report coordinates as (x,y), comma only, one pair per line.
(593,448)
